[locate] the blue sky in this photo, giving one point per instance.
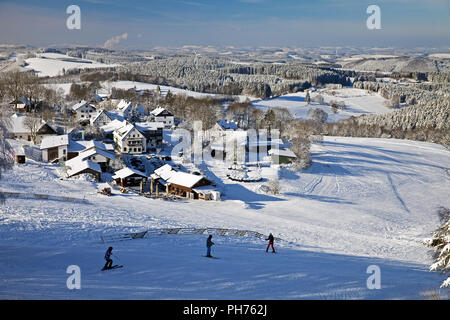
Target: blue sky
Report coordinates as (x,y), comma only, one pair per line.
(405,23)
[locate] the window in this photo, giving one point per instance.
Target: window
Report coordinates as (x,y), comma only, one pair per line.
(124,148)
(64,151)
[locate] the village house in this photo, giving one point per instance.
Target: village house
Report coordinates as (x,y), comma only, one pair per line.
(182,184)
(84,110)
(282,156)
(125,109)
(224,125)
(153,133)
(108,129)
(128,177)
(97,152)
(129,140)
(21,105)
(76,147)
(164,116)
(55,148)
(102,118)
(78,167)
(20,130)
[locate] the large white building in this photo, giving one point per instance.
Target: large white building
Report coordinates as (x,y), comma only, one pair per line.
(130,140)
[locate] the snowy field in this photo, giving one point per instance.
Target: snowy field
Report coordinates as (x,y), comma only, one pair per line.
(52,64)
(357,101)
(363,202)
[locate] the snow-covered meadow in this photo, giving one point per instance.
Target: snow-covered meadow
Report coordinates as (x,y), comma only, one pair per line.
(357,102)
(53,64)
(363,202)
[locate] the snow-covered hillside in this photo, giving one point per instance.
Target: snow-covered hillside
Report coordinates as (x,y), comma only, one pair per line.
(357,102)
(53,64)
(363,202)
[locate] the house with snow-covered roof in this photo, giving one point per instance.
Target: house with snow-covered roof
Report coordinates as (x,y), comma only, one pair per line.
(125,108)
(128,177)
(55,148)
(18,127)
(130,140)
(102,118)
(79,166)
(84,110)
(224,125)
(97,152)
(162,115)
(21,105)
(182,184)
(282,156)
(153,133)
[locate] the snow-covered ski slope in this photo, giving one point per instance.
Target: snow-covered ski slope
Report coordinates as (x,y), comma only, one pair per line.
(363,202)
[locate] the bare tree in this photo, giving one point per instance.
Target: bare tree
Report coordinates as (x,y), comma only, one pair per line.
(12,84)
(32,89)
(6,160)
(33,123)
(393,103)
(307,97)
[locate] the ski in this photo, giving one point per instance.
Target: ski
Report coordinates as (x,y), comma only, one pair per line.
(212,257)
(113,267)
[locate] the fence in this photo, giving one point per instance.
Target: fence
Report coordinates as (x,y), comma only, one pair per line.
(182,231)
(40,196)
(32,152)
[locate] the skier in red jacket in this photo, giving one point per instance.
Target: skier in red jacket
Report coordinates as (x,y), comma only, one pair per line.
(271,239)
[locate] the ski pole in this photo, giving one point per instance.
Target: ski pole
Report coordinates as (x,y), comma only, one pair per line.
(116,257)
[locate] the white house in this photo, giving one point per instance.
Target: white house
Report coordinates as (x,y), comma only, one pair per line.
(164,116)
(94,154)
(125,108)
(55,148)
(20,130)
(130,140)
(84,110)
(102,118)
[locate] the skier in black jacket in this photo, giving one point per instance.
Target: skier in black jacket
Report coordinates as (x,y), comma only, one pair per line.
(108,259)
(271,239)
(209,244)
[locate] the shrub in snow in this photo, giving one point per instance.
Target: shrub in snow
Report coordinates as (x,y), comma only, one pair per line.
(440,242)
(274,186)
(243,175)
(318,115)
(319,99)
